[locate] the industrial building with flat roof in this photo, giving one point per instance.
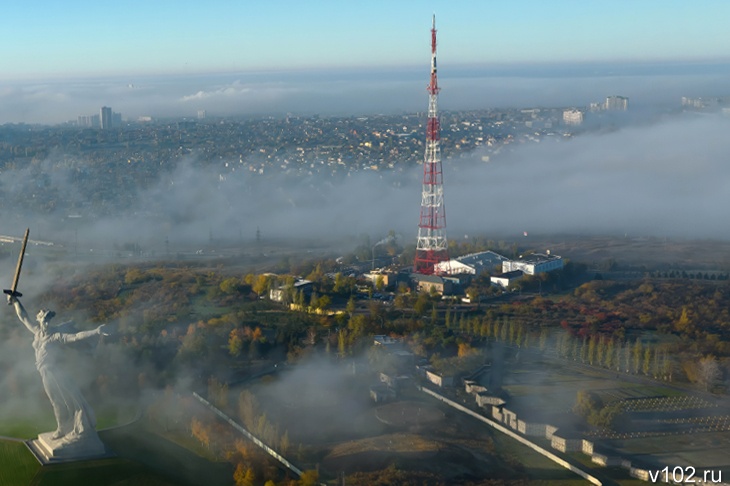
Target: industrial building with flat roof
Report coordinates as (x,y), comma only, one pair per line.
(505,279)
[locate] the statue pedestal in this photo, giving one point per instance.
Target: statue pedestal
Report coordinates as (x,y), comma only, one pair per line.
(54,451)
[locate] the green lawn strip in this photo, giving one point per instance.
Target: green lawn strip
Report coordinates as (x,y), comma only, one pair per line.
(143,458)
(17,464)
(661,391)
(617,474)
(114,416)
(557,482)
(106,472)
(203,310)
(537,466)
(165,457)
(188,442)
(623,478)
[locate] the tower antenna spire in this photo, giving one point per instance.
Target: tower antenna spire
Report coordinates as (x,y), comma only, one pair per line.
(432,246)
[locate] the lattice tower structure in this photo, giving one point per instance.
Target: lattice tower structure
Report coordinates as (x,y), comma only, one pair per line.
(432,246)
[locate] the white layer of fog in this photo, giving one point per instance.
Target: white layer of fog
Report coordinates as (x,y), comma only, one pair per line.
(669,179)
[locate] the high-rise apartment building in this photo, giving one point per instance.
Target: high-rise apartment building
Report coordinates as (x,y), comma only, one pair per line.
(617,103)
(105,117)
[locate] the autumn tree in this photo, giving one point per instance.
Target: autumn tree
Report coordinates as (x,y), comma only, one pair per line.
(585,403)
(247,408)
(543,338)
(342,343)
(421,304)
(261,284)
(217,392)
(465,349)
(708,371)
(473,293)
(200,432)
(637,354)
(235,343)
(646,365)
(230,286)
(591,349)
(351,306)
(284,443)
(666,366)
(243,475)
(322,303)
(610,354)
(310,477)
(343,285)
(684,322)
(600,350)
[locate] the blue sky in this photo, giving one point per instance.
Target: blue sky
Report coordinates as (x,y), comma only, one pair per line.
(78,38)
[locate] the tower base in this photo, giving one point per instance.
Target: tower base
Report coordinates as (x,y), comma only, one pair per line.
(55,451)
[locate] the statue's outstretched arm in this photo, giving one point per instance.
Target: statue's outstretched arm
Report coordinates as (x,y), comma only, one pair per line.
(22,314)
(80,336)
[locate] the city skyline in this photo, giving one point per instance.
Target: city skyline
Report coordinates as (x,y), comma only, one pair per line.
(82,38)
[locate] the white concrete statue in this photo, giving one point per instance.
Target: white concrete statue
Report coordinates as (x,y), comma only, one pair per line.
(75,419)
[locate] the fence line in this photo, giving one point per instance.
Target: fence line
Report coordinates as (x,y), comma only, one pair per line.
(250,436)
(515,436)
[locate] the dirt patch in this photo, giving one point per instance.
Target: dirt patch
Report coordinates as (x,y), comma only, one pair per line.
(408,414)
(408,451)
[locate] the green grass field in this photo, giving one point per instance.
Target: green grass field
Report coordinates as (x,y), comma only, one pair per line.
(143,458)
(540,469)
(17,464)
(107,472)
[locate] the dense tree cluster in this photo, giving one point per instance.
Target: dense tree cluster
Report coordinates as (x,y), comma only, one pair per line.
(595,412)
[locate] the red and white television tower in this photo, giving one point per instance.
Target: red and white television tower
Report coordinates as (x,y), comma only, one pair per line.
(432,247)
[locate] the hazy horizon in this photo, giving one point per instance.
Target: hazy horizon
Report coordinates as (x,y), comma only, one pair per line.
(352,92)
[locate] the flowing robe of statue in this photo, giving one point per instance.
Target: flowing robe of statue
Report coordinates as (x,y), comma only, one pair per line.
(74,417)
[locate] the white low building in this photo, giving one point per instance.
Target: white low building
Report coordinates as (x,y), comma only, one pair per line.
(474,264)
(534,264)
(439,379)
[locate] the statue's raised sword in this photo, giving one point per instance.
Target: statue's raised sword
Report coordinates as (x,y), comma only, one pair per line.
(13,291)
